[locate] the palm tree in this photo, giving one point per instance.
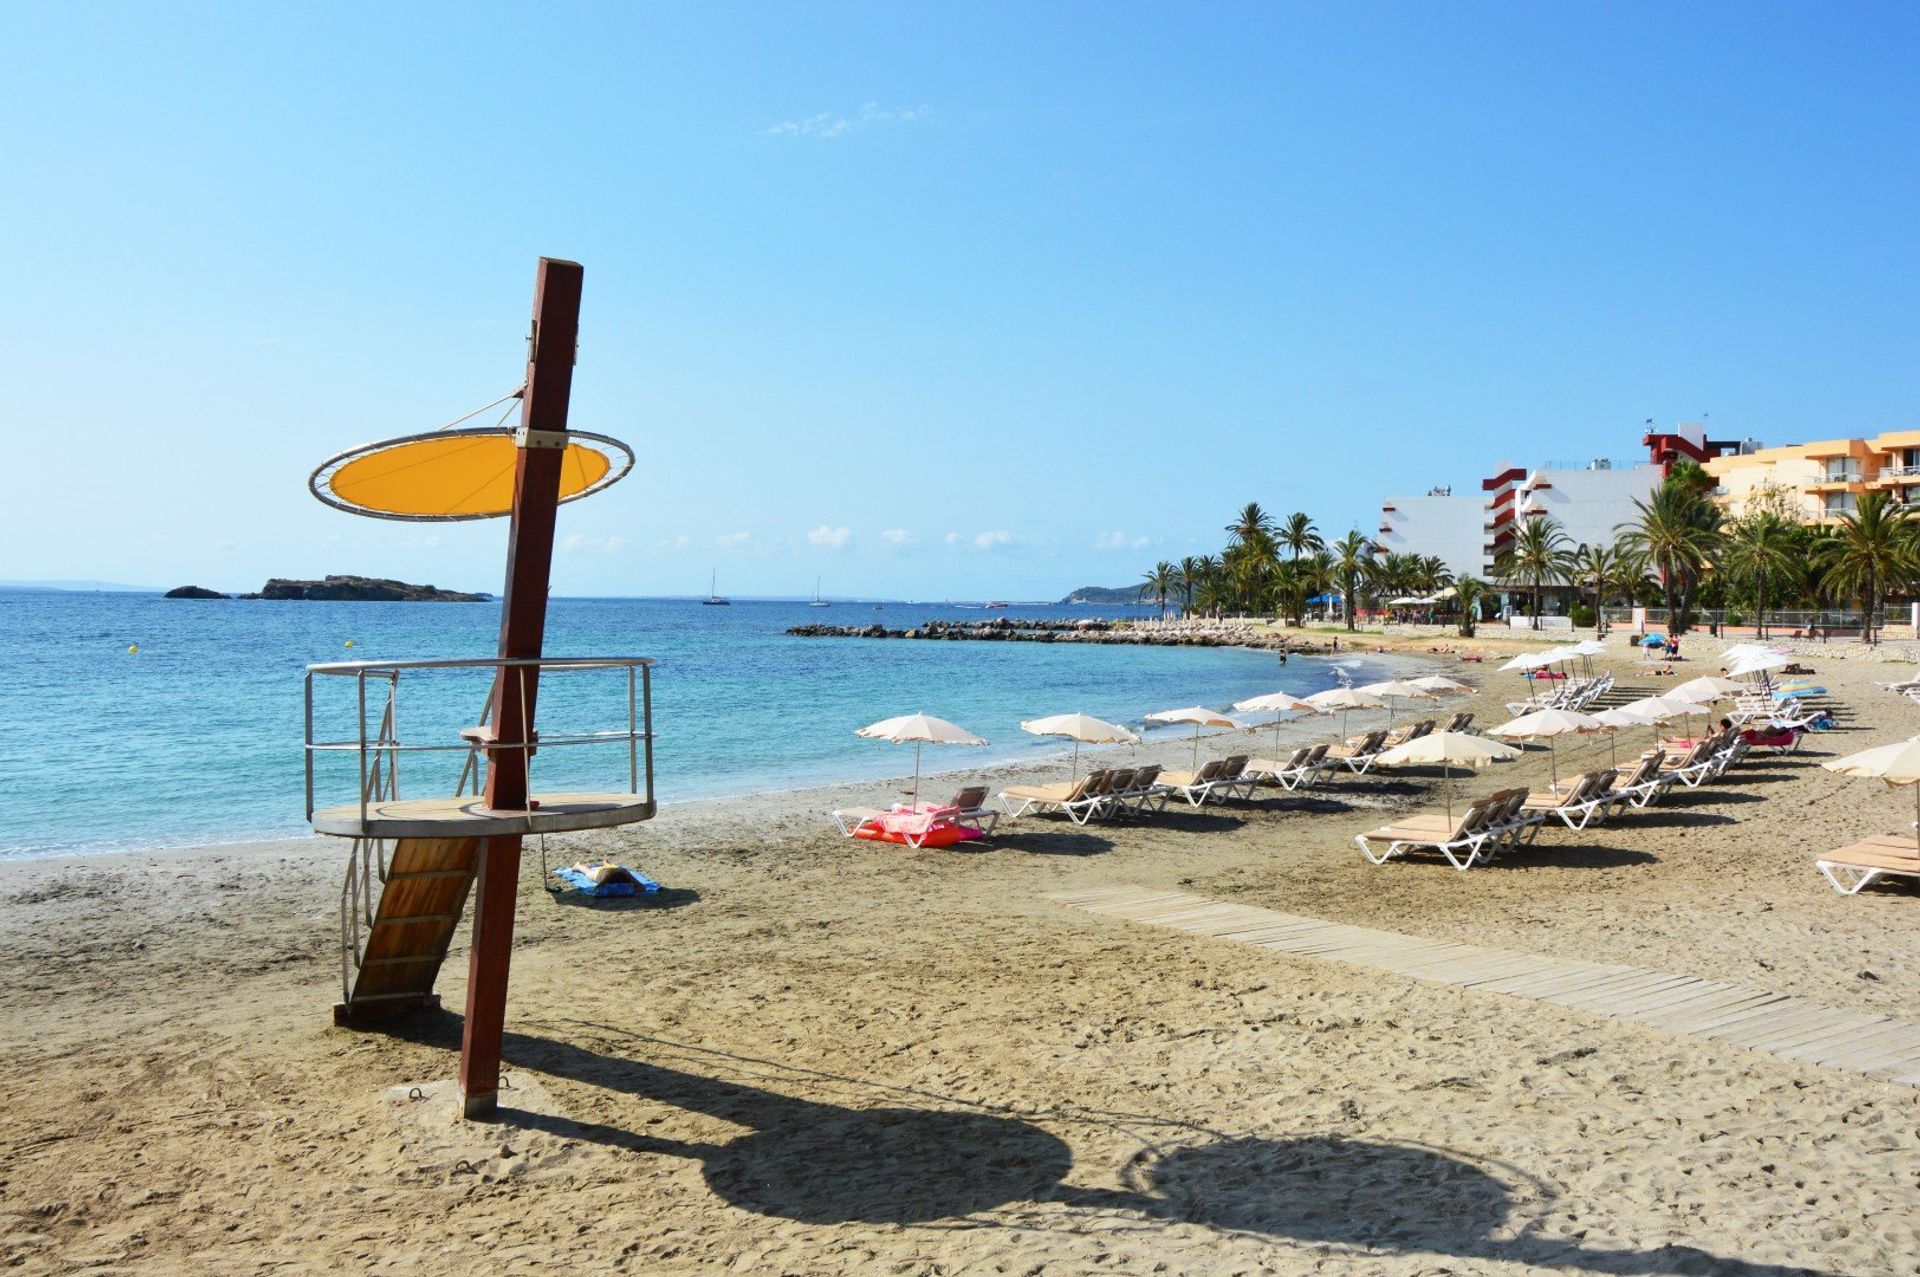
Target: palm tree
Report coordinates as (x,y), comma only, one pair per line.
(1871,551)
(1299,535)
(1676,536)
(1352,560)
(1762,550)
(1192,572)
(1597,568)
(1468,591)
(1161,580)
(1250,524)
(1537,556)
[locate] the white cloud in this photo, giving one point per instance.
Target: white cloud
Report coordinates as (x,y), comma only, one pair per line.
(579,542)
(732,540)
(680,542)
(826,126)
(989,540)
(831,538)
(431,541)
(896,536)
(954,538)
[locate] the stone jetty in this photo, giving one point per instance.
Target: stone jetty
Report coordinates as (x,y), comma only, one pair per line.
(1004,629)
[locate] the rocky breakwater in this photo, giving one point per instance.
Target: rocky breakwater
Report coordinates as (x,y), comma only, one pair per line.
(1120,633)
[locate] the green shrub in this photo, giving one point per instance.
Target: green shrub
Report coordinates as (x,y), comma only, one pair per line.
(1582,616)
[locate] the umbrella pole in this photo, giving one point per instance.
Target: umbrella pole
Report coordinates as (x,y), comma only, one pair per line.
(1449,782)
(1076,758)
(1553,761)
(917,747)
(1196,747)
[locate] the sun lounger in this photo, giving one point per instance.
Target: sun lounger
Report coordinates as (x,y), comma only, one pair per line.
(1459,839)
(1584,801)
(1233,780)
(1355,755)
(1077,798)
(1640,785)
(1461,722)
(1690,768)
(1291,773)
(1852,868)
(1193,788)
(1143,793)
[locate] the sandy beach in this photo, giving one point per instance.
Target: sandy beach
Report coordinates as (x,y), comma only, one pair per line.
(816,1055)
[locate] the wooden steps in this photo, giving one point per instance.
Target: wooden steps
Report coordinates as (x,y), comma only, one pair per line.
(1793,1027)
(423,896)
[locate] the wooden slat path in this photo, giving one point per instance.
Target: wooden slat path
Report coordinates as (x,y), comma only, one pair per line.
(1794,1027)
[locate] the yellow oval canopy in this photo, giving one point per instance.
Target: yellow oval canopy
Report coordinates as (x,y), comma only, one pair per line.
(456,474)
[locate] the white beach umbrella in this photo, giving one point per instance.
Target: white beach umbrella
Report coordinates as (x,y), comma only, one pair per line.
(1589,647)
(1526,661)
(1080,729)
(921,729)
(1549,725)
(1705,690)
(1896,764)
(1346,700)
(1450,750)
(1440,684)
(1756,662)
(1199,716)
(1396,690)
(1279,704)
(1622,717)
(1738,650)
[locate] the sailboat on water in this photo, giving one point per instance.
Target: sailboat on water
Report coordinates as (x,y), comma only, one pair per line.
(713,598)
(817,600)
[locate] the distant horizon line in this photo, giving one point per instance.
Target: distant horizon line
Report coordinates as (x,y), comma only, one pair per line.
(112,587)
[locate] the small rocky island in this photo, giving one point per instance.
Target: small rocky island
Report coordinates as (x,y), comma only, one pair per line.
(363,589)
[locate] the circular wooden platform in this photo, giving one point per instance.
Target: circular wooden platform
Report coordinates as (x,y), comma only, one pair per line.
(470,817)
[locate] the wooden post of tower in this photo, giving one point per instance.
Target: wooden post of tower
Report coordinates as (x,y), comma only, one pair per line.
(523,622)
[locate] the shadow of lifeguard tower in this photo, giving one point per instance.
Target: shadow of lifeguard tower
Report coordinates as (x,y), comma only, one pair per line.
(415,861)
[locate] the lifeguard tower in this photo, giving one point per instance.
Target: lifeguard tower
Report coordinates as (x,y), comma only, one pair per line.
(414,861)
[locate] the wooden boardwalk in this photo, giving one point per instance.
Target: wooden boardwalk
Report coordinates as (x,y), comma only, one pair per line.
(1796,1028)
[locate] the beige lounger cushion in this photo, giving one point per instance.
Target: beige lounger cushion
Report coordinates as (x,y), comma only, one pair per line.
(1059,793)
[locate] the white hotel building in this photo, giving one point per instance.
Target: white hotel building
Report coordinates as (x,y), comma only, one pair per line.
(1469,530)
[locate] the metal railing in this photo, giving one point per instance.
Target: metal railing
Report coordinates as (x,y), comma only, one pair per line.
(379,754)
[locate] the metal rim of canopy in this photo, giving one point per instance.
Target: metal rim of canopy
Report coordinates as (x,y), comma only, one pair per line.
(617,455)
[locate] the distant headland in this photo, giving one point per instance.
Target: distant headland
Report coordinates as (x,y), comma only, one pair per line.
(1104,594)
(363,589)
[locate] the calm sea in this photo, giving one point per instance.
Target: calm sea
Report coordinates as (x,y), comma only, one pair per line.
(196,738)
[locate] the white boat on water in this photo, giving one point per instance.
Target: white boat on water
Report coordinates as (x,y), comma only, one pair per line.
(713,598)
(817,600)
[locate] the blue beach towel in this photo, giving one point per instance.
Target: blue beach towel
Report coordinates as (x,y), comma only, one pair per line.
(585,884)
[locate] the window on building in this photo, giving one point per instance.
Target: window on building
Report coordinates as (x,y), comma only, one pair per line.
(1843,470)
(1839,503)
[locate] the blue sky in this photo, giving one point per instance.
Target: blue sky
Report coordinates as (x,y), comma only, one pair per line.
(961,301)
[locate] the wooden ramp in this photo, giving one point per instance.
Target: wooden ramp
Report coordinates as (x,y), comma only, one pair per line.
(1794,1027)
(397,947)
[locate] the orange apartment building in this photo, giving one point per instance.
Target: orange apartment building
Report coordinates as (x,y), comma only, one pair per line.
(1822,480)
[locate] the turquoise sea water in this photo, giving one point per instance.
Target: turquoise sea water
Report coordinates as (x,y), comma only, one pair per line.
(197,737)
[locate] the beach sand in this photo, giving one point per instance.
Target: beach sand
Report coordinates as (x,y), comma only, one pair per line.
(817,1055)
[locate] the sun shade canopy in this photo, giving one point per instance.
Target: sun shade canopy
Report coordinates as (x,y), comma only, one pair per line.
(457,474)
